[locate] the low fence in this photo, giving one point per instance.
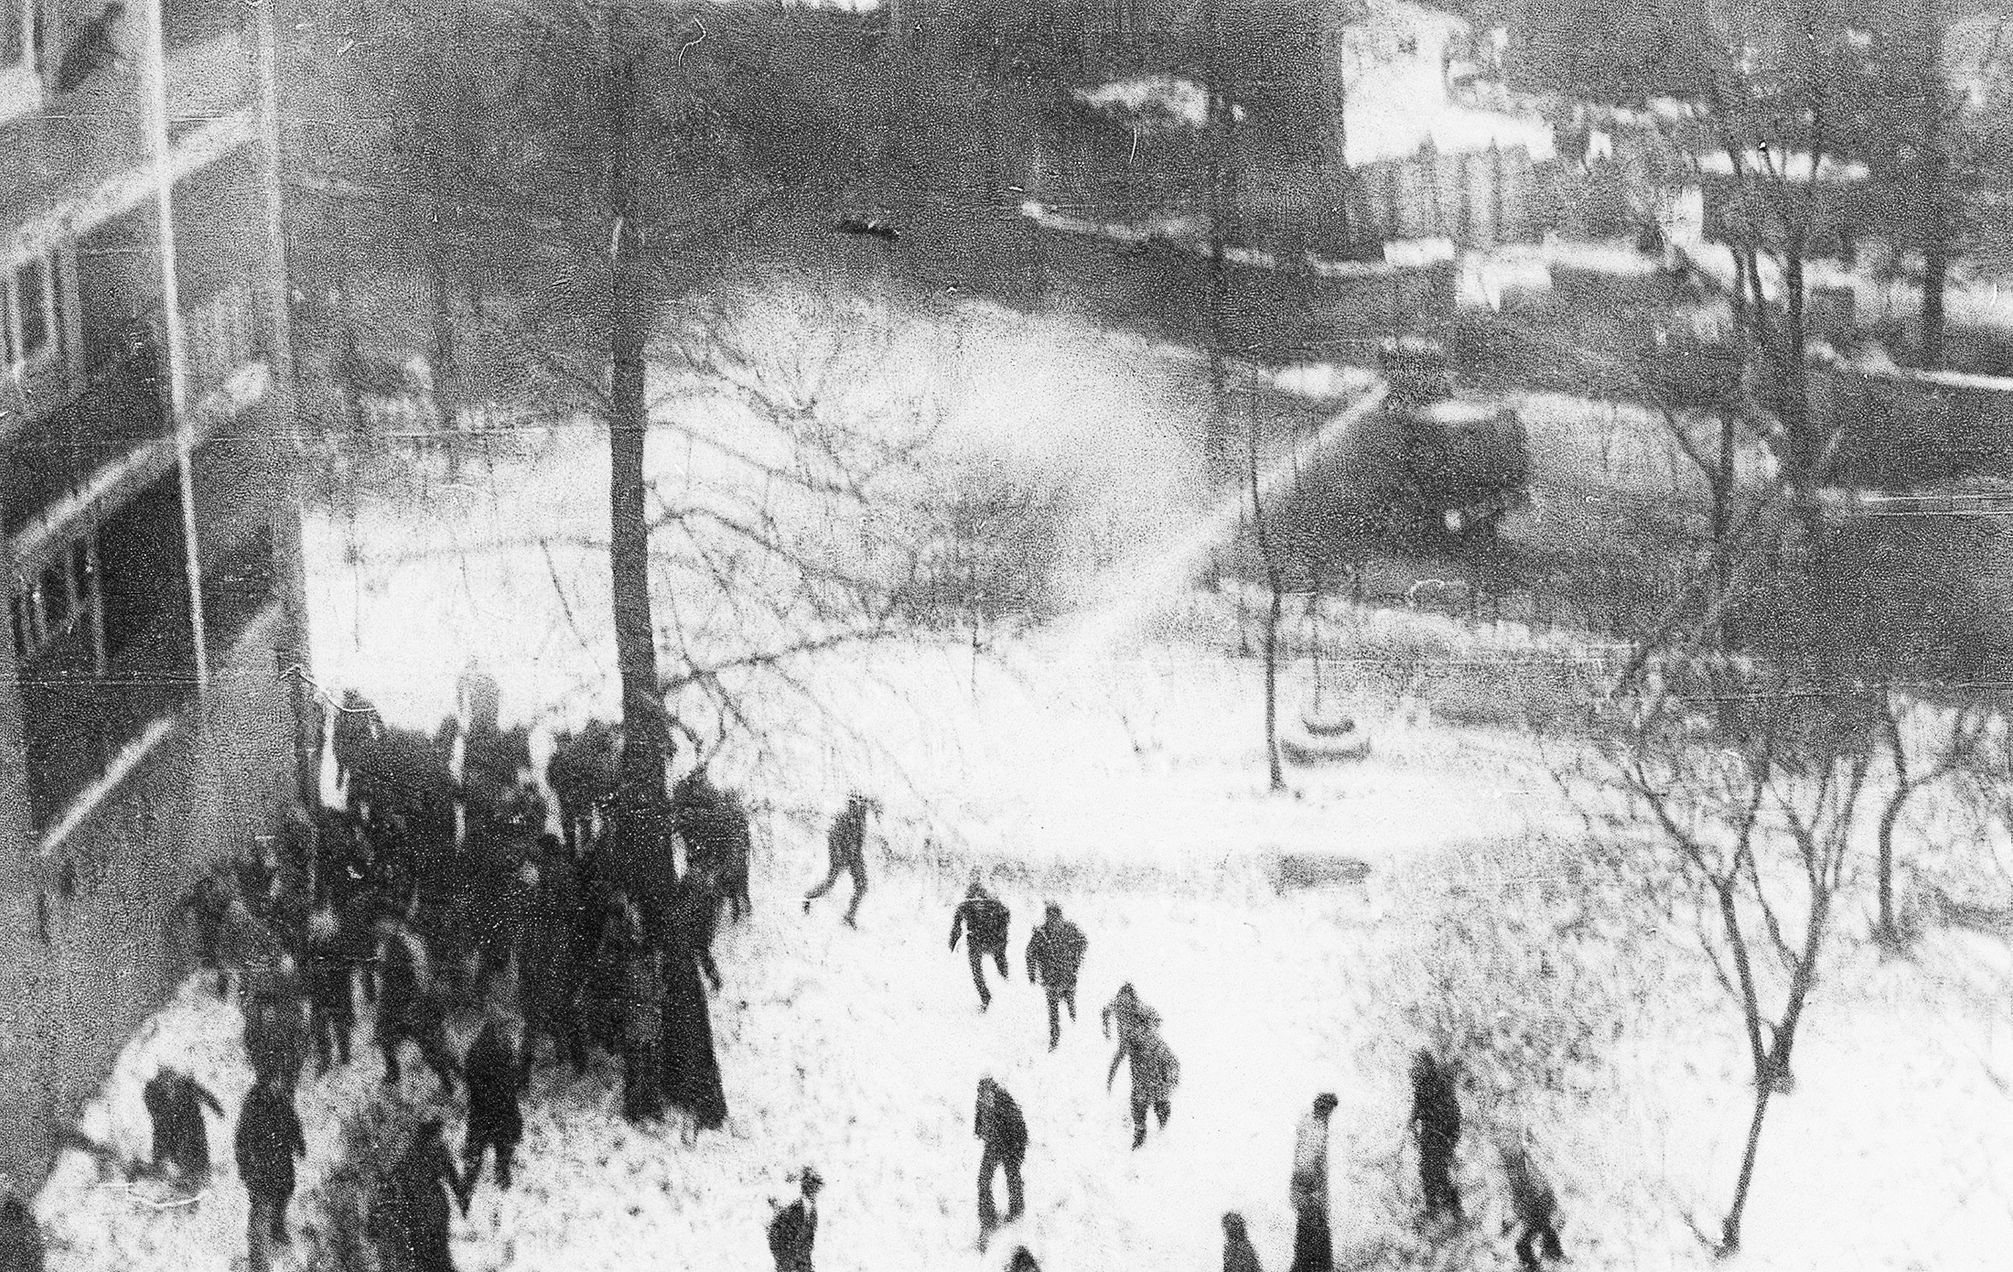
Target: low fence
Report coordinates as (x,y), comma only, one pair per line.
(1477,198)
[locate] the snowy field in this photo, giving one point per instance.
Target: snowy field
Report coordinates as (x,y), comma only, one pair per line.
(1120,775)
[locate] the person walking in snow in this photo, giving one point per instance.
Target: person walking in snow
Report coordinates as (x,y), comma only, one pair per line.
(1436,1116)
(794,1228)
(1313,1247)
(1155,1072)
(1054,957)
(642,970)
(846,850)
(984,920)
(208,903)
(267,1141)
(411,1005)
(496,1075)
(421,1207)
(1238,1253)
(175,1103)
(1129,1017)
(331,960)
(1534,1207)
(998,1123)
(275,1034)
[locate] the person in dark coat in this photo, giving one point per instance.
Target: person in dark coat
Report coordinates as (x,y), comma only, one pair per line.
(642,970)
(1238,1253)
(1022,1260)
(1534,1208)
(998,1123)
(209,905)
(421,1206)
(496,1076)
(20,1235)
(411,1006)
(695,912)
(1130,1018)
(268,1139)
(550,961)
(1155,1072)
(794,1228)
(276,1035)
(1054,957)
(983,919)
(691,1066)
(331,997)
(175,1103)
(1313,1243)
(846,850)
(1436,1116)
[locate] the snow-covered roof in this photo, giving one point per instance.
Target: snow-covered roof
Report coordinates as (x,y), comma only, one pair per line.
(1166,100)
(1794,167)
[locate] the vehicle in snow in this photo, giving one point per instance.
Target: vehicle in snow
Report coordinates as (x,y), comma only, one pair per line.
(1440,463)
(1429,470)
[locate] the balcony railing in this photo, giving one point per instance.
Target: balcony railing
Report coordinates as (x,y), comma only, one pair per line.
(58,453)
(77,142)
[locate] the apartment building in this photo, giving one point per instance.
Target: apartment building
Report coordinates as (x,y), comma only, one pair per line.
(149,684)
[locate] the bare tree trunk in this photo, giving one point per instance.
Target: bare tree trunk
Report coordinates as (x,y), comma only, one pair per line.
(689,1062)
(1729,1240)
(646,742)
(1722,524)
(1222,208)
(1276,586)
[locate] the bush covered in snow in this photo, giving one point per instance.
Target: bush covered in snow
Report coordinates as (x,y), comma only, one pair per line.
(1516,973)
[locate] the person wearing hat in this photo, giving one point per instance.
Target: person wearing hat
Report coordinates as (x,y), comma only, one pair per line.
(999,1123)
(794,1228)
(845,848)
(984,920)
(1313,1247)
(1238,1253)
(1054,957)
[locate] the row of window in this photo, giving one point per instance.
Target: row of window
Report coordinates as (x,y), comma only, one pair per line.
(31,316)
(62,599)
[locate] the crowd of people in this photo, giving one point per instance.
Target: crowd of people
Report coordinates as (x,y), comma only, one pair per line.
(436,897)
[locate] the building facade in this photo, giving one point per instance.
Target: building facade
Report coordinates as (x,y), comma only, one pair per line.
(149,538)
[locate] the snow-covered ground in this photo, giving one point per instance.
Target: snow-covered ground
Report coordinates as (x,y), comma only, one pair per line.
(1121,777)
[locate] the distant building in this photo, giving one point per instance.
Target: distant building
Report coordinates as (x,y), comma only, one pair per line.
(147,533)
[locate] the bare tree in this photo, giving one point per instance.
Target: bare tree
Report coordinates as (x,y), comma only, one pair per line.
(1754,781)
